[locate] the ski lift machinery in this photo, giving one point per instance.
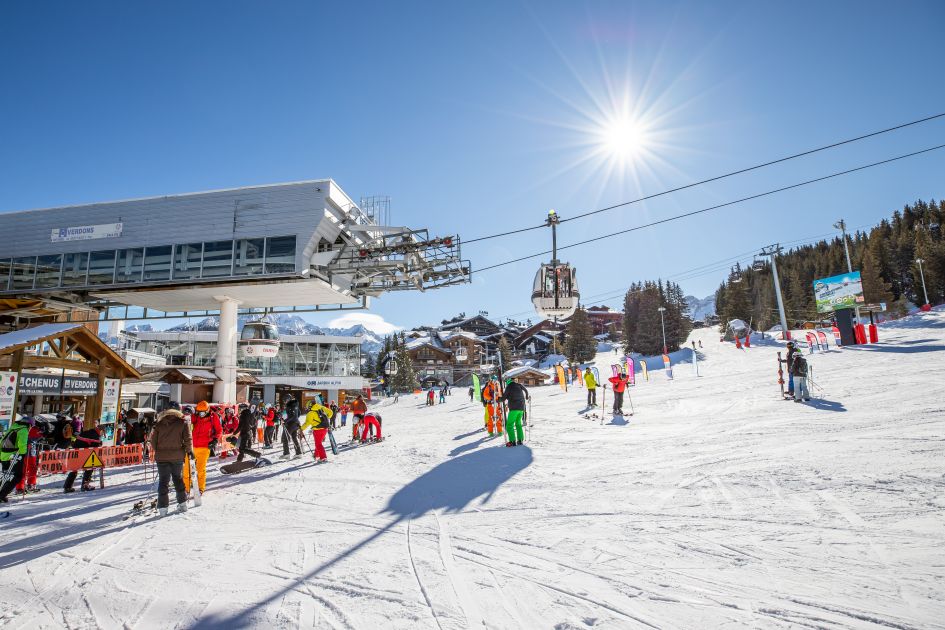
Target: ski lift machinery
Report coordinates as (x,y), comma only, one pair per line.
(555,292)
(259,339)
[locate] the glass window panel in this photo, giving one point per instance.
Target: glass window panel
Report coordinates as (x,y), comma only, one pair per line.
(280,254)
(217,259)
(5,266)
(23,271)
(130,263)
(75,268)
(102,267)
(47,271)
(157,263)
(187,261)
(249,257)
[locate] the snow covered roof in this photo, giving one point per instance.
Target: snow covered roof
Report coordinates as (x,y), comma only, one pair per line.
(446,336)
(522,370)
(30,336)
(432,342)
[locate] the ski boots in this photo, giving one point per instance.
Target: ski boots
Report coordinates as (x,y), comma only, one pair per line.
(508,444)
(87,487)
(182,507)
(518,443)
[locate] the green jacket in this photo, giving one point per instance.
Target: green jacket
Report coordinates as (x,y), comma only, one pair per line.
(589,379)
(14,441)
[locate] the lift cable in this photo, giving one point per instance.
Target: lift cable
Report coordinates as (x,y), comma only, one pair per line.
(717,206)
(717,177)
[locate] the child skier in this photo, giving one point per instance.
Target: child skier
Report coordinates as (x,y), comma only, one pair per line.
(799,368)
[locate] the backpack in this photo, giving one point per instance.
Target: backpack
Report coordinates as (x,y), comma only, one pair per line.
(800,365)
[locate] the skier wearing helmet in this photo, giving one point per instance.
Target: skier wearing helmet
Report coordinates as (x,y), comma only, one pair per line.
(516,397)
(13,455)
(206,430)
(290,429)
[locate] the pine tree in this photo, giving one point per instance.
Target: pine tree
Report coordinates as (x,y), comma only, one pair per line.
(505,351)
(875,289)
(406,378)
(580,345)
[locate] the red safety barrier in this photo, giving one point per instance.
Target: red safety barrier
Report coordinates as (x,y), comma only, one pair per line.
(874,333)
(51,462)
(859,332)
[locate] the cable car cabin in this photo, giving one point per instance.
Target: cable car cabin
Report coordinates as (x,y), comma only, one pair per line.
(259,340)
(555,292)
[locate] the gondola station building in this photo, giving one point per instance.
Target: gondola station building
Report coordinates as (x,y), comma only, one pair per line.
(288,248)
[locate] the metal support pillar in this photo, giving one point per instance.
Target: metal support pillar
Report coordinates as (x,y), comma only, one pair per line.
(224,390)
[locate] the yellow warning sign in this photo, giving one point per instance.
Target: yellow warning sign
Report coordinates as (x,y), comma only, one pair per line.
(93,461)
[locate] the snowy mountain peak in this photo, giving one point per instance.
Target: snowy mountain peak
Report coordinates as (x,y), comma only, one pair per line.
(700,309)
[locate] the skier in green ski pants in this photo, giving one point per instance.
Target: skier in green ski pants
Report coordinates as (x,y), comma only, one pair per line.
(515,397)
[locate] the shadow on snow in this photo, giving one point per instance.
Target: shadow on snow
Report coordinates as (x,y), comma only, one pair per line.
(449,487)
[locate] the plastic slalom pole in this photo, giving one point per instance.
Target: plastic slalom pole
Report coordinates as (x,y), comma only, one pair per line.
(194,483)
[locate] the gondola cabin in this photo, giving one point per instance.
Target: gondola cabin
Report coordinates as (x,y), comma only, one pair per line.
(555,291)
(259,340)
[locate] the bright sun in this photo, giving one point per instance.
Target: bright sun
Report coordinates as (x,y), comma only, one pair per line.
(624,138)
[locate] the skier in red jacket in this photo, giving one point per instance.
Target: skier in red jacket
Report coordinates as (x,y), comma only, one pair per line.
(620,386)
(205,428)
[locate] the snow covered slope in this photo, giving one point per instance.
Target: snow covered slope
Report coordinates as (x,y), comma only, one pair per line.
(716,505)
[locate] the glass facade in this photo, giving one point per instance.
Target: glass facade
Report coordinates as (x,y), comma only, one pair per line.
(187,261)
(160,263)
(102,267)
(75,269)
(23,271)
(249,257)
(48,269)
(130,263)
(5,266)
(294,358)
(157,263)
(217,259)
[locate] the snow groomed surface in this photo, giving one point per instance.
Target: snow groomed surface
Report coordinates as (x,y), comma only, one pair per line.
(716,505)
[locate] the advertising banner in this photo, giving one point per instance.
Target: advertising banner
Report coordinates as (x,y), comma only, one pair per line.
(110,407)
(86,232)
(837,292)
(52,462)
(35,383)
(7,395)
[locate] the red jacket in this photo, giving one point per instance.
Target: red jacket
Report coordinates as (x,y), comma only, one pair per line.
(230,423)
(271,417)
(619,382)
(205,429)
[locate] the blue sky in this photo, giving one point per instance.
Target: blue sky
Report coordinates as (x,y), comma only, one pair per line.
(479,117)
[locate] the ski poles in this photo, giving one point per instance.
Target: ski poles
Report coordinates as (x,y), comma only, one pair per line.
(528,422)
(8,473)
(603,404)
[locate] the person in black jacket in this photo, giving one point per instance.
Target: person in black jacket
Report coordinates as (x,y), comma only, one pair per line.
(87,438)
(516,397)
(290,428)
(246,431)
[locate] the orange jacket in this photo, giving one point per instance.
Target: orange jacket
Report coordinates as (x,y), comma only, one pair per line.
(358,407)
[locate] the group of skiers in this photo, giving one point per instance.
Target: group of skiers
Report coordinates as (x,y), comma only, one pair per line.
(24,440)
(515,399)
(181,434)
(797,373)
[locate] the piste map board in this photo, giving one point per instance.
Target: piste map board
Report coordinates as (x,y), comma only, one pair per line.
(837,292)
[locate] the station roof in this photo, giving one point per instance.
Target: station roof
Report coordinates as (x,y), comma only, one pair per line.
(71,338)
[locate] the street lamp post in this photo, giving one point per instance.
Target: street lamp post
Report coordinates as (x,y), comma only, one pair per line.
(663,326)
(919,261)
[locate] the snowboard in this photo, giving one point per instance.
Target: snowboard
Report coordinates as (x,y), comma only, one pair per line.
(334,444)
(238,467)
